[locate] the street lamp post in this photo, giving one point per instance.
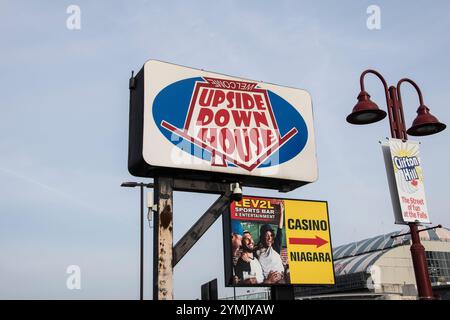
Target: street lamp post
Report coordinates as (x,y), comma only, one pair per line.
(366,112)
(141,249)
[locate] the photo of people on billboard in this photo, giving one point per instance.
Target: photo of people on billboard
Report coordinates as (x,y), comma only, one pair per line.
(259,251)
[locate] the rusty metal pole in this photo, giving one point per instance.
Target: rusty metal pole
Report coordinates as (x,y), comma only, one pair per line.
(419,260)
(163,239)
(420,265)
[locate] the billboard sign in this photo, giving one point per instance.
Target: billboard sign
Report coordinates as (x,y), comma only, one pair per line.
(278,242)
(198,124)
(405,177)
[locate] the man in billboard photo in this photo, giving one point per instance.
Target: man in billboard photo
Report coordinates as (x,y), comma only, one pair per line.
(269,249)
(236,239)
(248,269)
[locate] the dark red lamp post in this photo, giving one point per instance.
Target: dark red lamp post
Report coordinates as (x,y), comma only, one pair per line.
(365,112)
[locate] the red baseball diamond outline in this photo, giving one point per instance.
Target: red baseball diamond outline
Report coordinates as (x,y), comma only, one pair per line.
(215,83)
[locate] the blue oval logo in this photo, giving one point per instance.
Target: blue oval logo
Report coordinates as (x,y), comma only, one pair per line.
(229,123)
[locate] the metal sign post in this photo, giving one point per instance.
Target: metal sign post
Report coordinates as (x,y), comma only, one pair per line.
(163,240)
(165,254)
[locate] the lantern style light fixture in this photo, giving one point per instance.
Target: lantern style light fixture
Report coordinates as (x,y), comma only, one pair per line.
(366,111)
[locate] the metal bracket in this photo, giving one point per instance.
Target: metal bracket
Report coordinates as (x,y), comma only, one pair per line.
(132,82)
(200,186)
(200,227)
(404,234)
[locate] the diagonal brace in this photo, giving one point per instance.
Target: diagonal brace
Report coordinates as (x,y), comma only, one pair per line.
(200,227)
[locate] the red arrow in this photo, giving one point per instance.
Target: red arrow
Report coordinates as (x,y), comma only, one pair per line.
(318,241)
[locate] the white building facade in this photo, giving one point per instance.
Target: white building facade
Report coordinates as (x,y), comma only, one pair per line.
(381,268)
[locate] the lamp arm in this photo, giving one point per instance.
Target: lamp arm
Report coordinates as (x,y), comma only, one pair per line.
(414,85)
(386,91)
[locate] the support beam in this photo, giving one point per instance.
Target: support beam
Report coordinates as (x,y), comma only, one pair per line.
(163,239)
(200,186)
(200,227)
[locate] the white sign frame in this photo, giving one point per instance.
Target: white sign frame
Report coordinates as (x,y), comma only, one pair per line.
(155,154)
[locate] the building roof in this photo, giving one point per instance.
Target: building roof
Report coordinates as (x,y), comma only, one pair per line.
(384,241)
(360,255)
(356,263)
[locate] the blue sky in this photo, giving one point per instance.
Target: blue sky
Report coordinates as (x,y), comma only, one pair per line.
(64,125)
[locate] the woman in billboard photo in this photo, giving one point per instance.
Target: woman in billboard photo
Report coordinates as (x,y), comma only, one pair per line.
(269,249)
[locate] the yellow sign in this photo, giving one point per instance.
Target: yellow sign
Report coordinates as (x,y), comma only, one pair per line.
(308,242)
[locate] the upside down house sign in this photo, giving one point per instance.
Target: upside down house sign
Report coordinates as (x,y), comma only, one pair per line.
(195,124)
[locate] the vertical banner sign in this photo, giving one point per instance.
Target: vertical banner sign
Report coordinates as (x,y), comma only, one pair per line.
(405,176)
(281,242)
